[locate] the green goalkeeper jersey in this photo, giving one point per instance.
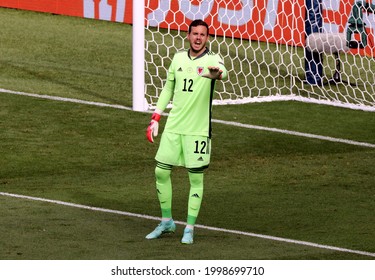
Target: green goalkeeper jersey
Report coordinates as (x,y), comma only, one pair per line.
(191,93)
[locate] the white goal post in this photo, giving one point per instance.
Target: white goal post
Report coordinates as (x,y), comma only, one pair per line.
(138,37)
(267,48)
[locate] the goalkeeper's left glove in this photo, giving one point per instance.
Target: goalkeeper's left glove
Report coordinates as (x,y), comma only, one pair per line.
(214,73)
(153,127)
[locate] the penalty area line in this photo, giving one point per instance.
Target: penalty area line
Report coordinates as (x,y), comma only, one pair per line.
(65,99)
(237,232)
(230,123)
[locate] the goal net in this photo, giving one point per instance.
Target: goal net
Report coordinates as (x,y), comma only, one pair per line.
(306,50)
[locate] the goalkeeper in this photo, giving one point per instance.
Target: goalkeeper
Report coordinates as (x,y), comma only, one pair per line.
(186,138)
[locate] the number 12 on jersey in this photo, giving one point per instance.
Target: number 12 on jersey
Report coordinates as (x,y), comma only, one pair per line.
(188,84)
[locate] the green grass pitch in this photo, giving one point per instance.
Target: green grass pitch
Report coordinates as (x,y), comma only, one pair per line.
(259,182)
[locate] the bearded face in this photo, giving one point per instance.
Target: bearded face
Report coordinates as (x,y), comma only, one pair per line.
(198,38)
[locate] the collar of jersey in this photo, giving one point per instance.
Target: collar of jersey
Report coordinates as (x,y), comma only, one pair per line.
(204,53)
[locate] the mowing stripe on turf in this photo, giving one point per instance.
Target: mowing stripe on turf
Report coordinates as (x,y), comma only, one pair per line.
(269,237)
(248,126)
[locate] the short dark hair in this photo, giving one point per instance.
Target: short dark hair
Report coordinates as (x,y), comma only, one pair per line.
(198,22)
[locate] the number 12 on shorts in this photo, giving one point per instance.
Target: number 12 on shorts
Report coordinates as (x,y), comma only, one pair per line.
(202,147)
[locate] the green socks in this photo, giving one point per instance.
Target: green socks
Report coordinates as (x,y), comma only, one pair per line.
(164,192)
(195,196)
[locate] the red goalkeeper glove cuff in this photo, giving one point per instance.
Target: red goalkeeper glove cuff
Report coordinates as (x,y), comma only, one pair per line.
(153,127)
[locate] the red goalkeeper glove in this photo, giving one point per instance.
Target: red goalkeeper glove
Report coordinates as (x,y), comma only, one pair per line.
(153,127)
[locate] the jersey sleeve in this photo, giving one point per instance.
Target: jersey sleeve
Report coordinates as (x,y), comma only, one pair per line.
(221,65)
(168,89)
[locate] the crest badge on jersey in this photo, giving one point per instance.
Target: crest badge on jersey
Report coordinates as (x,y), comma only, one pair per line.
(200,70)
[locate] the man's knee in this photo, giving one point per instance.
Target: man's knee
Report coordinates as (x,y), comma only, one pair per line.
(162,172)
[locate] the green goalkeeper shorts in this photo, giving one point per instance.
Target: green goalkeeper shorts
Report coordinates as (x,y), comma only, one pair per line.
(189,151)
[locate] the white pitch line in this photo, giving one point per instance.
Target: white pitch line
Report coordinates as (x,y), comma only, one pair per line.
(248,126)
(65,99)
(296,133)
(129,214)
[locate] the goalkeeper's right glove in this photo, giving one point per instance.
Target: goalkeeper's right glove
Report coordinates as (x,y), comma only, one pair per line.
(153,127)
